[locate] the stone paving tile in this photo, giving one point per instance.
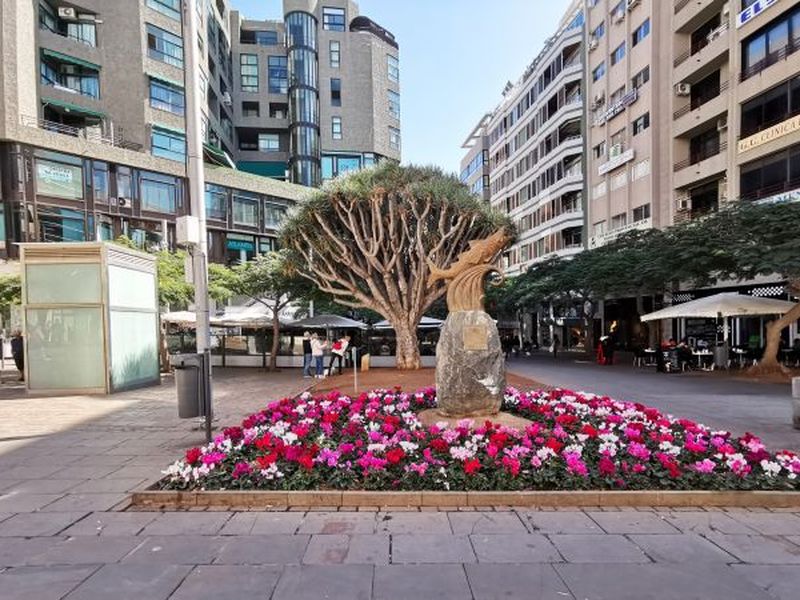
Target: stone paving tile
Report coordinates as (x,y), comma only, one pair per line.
(758,549)
(131,582)
(358,549)
(632,522)
(38,523)
(7,484)
(172,549)
(83,550)
(262,523)
(16,503)
(4,516)
(770,523)
(464,523)
(107,485)
(215,582)
(658,581)
(431,548)
(338,522)
(34,472)
(42,583)
(105,459)
(277,549)
(513,582)
(780,581)
(680,548)
(85,502)
(45,486)
(15,552)
(111,523)
(704,522)
(610,548)
(180,523)
(514,548)
(561,522)
(315,582)
(137,472)
(407,522)
(85,472)
(413,582)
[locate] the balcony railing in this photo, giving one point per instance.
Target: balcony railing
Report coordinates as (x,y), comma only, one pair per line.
(704,154)
(772,190)
(91,134)
(769,60)
(700,44)
(701,99)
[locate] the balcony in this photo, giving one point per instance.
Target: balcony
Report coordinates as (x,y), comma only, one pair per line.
(690,14)
(701,165)
(705,56)
(96,133)
(780,192)
(769,60)
(701,109)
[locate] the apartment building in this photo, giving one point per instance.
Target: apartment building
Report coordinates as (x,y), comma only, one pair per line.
(531,148)
(92,124)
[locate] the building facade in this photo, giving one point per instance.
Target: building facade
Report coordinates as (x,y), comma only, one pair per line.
(92,126)
(525,157)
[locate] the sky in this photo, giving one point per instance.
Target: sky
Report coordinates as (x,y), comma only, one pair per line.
(455,58)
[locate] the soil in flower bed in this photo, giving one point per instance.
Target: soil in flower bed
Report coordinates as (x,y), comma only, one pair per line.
(575,442)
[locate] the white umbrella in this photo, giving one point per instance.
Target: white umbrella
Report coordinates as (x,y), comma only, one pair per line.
(327,322)
(424,323)
(722,305)
(180,317)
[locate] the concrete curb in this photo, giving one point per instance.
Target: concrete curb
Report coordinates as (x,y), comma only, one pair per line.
(160,499)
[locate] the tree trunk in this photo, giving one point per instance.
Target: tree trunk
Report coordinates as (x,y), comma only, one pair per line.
(276,331)
(407,352)
(770,362)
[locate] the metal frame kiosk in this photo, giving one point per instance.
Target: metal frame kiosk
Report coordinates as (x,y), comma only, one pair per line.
(90,318)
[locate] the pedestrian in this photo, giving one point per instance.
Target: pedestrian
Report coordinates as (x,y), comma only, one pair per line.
(338,350)
(318,354)
(307,356)
(18,352)
(556,345)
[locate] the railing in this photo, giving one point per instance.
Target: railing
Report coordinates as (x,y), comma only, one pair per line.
(87,133)
(700,44)
(704,154)
(81,40)
(772,190)
(769,60)
(770,123)
(701,100)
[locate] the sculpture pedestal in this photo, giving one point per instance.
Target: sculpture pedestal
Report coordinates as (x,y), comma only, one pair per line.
(470,366)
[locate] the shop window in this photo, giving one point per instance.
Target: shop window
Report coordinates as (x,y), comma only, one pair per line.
(158,192)
(239,248)
(245,209)
(100,181)
(59,180)
(216,202)
(61,224)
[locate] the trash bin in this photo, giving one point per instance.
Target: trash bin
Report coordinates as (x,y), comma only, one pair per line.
(721,356)
(189,385)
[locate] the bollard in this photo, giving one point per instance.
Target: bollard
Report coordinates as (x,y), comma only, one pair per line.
(796,402)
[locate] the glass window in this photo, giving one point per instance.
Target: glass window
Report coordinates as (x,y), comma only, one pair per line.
(393,65)
(600,150)
(278,75)
(394,138)
(239,248)
(47,17)
(778,37)
(599,31)
(599,71)
(216,202)
(248,71)
(269,142)
(642,123)
(266,38)
(61,224)
(100,181)
(274,215)
(59,180)
(327,167)
(85,33)
(394,104)
(345,164)
(251,109)
(641,77)
(336,128)
(618,54)
(171,8)
(165,96)
(336,92)
(333,19)
(168,144)
(245,209)
(164,46)
(124,183)
(78,78)
(335,49)
(640,32)
(158,192)
(640,213)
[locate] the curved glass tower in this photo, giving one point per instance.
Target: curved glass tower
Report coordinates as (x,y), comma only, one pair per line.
(304,147)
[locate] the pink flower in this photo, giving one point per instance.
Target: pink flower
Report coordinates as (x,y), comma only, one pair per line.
(704,466)
(213,458)
(241,469)
(639,451)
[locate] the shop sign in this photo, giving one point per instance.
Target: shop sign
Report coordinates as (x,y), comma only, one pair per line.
(771,133)
(618,106)
(752,11)
(617,161)
(62,181)
(785,197)
(608,236)
(240,245)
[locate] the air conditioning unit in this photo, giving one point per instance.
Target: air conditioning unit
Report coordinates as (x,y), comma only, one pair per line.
(683,89)
(632,3)
(615,150)
(66,12)
(722,124)
(226,99)
(593,44)
(619,16)
(122,202)
(600,98)
(683,203)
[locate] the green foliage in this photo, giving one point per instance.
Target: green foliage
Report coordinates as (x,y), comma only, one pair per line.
(10,292)
(269,276)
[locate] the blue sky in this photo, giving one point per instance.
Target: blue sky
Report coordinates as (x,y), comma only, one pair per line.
(455,58)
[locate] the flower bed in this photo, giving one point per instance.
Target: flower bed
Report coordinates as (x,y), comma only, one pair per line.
(575,442)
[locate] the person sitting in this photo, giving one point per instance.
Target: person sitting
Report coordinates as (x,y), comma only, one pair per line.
(684,355)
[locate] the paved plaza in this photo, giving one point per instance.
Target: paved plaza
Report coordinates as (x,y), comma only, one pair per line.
(67,464)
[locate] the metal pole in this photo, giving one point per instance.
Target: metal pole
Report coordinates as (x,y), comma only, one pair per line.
(196,176)
(796,402)
(354,352)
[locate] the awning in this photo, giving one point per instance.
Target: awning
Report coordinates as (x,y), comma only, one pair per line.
(74,108)
(169,128)
(159,77)
(217,156)
(724,305)
(70,59)
(424,323)
(275,169)
(328,322)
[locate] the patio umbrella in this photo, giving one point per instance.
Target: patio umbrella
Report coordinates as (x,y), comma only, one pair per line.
(327,322)
(424,323)
(722,305)
(180,317)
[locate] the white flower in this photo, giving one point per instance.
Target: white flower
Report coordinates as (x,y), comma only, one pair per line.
(461,453)
(409,447)
(771,468)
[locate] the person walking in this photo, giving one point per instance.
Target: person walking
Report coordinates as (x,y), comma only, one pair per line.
(318,354)
(556,345)
(307,356)
(18,352)
(338,351)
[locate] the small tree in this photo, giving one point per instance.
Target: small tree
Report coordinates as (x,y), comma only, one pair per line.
(10,293)
(270,280)
(366,239)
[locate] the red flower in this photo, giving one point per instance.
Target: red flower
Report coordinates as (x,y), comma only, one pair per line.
(439,445)
(233,433)
(554,445)
(193,455)
(606,466)
(472,466)
(498,439)
(266,460)
(395,455)
(587,429)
